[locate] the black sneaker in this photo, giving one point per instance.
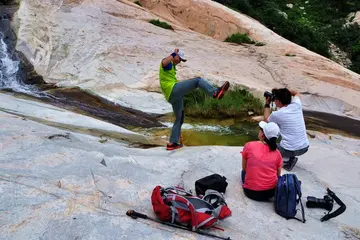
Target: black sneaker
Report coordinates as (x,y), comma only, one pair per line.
(288,166)
(219,93)
(173,146)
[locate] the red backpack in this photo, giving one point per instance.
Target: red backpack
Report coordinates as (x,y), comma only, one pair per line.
(176,205)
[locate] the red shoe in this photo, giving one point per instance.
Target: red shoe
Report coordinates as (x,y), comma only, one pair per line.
(173,146)
(219,93)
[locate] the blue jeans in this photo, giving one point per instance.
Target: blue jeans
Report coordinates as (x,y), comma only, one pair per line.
(289,154)
(243,176)
(177,101)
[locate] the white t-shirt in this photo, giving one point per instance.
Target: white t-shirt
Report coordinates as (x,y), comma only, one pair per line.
(292,125)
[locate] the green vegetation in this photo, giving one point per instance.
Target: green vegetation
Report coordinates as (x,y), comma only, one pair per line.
(235,103)
(161,24)
(309,23)
(138,3)
(259,44)
(239,38)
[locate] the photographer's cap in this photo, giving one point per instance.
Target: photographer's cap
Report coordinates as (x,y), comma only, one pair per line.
(271,129)
(182,55)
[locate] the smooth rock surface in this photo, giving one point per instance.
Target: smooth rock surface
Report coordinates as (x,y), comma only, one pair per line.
(56,187)
(58,117)
(110,48)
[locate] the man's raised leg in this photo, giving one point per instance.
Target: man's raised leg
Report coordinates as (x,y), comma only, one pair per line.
(182,88)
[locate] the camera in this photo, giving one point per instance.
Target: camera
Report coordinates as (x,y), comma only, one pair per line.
(327,202)
(270,95)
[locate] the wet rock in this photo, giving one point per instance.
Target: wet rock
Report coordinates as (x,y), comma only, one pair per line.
(250,113)
(88,103)
(27,71)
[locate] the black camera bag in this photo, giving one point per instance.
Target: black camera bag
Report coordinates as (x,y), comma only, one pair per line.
(214,182)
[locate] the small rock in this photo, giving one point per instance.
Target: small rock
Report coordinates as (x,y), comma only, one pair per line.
(290,5)
(302,8)
(307,2)
(257,118)
(310,134)
(250,113)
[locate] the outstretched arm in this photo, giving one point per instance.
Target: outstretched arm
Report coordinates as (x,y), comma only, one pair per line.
(294,93)
(168,59)
(267,110)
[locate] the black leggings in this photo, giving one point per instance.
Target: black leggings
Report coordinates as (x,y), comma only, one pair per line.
(260,195)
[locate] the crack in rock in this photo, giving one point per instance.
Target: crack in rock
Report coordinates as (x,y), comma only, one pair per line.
(54,136)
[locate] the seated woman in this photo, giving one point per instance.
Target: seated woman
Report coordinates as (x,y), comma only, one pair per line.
(261,164)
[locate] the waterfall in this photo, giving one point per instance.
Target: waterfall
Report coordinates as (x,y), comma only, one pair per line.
(9,72)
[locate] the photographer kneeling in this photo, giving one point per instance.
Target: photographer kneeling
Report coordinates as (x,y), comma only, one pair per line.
(289,117)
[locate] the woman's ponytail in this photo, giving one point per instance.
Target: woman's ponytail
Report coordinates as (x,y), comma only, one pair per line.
(271,143)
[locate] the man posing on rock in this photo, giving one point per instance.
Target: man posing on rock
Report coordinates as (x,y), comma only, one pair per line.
(290,119)
(175,91)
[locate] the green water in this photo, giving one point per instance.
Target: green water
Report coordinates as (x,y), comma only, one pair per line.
(229,132)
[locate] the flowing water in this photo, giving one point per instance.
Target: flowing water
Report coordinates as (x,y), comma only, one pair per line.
(9,73)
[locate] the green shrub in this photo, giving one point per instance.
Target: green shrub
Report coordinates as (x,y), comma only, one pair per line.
(138,3)
(259,44)
(235,103)
(161,24)
(239,38)
(314,27)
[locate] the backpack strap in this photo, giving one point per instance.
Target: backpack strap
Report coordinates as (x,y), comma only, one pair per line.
(296,181)
(177,190)
(181,199)
(206,221)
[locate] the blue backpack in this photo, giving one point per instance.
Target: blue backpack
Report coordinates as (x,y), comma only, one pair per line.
(287,197)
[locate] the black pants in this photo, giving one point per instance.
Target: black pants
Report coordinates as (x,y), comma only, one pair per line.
(257,195)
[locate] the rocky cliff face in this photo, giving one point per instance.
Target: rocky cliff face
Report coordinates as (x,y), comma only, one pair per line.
(110,48)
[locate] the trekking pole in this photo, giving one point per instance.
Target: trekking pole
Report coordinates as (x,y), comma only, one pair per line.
(135,215)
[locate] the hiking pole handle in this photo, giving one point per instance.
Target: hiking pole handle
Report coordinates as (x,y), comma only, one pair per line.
(133,214)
